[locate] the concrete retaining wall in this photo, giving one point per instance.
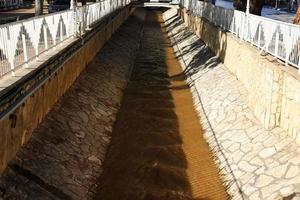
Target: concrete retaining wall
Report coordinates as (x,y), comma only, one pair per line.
(273,89)
(17,128)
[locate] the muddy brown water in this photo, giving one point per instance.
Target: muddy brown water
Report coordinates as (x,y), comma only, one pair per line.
(157,149)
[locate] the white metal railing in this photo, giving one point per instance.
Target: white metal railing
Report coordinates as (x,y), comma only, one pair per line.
(26,40)
(280,39)
(10,3)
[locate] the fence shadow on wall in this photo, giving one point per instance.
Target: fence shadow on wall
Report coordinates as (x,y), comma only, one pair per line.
(210,23)
(202,57)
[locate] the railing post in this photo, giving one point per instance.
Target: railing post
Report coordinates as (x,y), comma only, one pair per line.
(299,64)
(247,18)
(276,42)
(24,49)
(72,4)
(289,47)
(76,31)
(248,7)
(61,31)
(45,38)
(88,16)
(83,20)
(259,35)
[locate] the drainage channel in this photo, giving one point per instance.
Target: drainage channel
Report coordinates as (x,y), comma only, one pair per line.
(150,147)
(157,149)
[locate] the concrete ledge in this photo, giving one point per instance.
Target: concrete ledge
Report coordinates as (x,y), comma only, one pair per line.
(17,128)
(272,88)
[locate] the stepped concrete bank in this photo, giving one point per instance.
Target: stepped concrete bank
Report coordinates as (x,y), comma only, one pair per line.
(273,89)
(17,127)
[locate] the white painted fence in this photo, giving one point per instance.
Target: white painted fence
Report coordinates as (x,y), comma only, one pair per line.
(26,40)
(280,39)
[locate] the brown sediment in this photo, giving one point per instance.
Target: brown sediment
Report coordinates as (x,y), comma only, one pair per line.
(157,149)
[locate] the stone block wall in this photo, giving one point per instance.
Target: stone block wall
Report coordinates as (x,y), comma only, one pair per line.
(273,89)
(290,105)
(17,128)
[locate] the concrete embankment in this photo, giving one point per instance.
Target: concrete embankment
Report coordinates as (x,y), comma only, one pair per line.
(24,104)
(64,155)
(273,88)
(255,163)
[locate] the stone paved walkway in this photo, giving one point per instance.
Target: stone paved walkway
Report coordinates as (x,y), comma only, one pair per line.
(63,159)
(256,163)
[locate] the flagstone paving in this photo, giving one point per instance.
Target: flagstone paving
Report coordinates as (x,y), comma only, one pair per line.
(256,163)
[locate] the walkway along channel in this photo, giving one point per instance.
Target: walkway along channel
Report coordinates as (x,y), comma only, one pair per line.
(153,149)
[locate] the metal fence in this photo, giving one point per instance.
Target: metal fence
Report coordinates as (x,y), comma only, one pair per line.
(280,39)
(27,40)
